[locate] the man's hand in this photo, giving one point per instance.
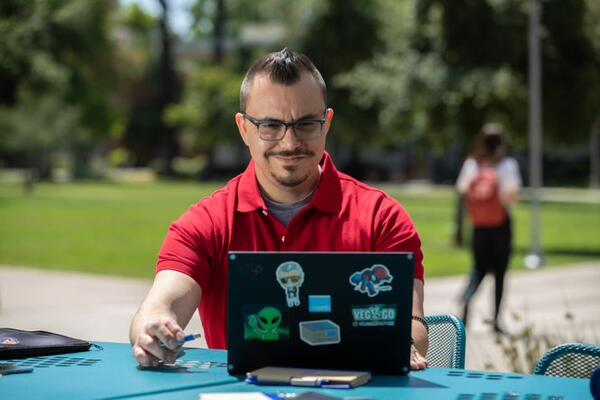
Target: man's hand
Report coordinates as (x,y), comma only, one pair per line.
(158,342)
(418,331)
(156,327)
(417,361)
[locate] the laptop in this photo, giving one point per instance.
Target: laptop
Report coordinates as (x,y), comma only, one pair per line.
(349,311)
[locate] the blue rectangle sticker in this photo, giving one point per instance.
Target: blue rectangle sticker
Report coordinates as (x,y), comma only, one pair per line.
(319,303)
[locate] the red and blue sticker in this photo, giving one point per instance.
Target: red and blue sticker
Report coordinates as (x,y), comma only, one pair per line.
(372,280)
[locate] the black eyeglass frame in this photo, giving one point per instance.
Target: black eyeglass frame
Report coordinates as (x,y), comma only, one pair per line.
(259,122)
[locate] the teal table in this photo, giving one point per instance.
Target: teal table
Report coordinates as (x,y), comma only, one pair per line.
(111,373)
(431,384)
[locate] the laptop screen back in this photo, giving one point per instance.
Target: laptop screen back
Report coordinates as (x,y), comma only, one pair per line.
(347,311)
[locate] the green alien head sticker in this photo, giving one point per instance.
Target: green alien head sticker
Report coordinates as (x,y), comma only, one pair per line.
(268,324)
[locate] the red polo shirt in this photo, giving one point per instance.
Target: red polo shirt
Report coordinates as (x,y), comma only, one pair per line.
(344,215)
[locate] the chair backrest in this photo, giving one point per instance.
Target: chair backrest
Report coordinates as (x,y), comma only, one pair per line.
(447,341)
(575,360)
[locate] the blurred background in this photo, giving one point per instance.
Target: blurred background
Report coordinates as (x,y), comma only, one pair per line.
(118,115)
(115,116)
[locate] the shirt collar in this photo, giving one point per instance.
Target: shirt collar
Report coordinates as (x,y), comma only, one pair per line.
(327,198)
(249,198)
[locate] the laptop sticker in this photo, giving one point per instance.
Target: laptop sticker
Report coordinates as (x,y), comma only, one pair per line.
(9,341)
(374,315)
(372,280)
(266,324)
(319,304)
(319,333)
(257,270)
(290,276)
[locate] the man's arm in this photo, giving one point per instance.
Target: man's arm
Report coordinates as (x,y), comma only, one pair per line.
(156,327)
(395,231)
(419,332)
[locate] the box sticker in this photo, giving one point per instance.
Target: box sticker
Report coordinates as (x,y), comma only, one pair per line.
(374,315)
(319,304)
(319,333)
(372,280)
(266,324)
(290,276)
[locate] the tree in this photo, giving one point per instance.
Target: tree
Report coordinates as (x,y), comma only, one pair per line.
(449,66)
(206,114)
(169,91)
(592,31)
(139,83)
(204,117)
(442,72)
(54,77)
(148,85)
(343,34)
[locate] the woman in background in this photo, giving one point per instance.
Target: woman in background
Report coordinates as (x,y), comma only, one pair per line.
(490,182)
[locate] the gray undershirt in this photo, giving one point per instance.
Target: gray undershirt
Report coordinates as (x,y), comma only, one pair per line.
(286,212)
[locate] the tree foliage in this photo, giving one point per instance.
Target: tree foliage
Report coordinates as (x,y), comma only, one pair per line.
(343,34)
(55,74)
(448,66)
(207,111)
(75,74)
(292,18)
(205,116)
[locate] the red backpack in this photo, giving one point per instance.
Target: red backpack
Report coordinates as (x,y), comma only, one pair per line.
(483,200)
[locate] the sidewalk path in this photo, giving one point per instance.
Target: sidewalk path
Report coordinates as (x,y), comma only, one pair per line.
(100,308)
(85,306)
(541,299)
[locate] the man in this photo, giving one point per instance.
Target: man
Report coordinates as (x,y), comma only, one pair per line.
(290,198)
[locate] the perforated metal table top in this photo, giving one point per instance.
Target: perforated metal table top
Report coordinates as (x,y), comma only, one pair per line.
(431,384)
(112,373)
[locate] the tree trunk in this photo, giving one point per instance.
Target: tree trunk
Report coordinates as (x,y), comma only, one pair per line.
(595,155)
(30,174)
(168,143)
(219,33)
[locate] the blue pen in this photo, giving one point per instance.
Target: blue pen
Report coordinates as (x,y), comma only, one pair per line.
(189,338)
(186,338)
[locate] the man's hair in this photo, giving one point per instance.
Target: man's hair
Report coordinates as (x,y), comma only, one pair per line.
(284,67)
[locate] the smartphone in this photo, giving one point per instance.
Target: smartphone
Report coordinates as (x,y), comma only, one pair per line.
(7,369)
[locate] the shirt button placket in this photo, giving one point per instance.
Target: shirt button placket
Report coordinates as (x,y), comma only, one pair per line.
(284,240)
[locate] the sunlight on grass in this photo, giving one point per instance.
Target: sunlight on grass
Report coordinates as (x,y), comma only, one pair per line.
(117,229)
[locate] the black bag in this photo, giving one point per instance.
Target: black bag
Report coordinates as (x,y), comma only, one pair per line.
(15,343)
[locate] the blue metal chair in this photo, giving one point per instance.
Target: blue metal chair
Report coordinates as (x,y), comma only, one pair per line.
(574,360)
(447,341)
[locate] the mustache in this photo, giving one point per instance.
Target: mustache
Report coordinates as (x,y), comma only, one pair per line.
(289,153)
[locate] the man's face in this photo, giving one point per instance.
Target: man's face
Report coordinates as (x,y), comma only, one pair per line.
(290,161)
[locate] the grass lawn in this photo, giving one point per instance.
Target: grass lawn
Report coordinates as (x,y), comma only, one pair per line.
(117,229)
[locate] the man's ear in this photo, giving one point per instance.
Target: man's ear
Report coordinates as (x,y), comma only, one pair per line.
(328,119)
(240,121)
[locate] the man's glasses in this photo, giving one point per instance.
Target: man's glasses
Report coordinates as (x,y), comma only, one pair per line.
(273,130)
